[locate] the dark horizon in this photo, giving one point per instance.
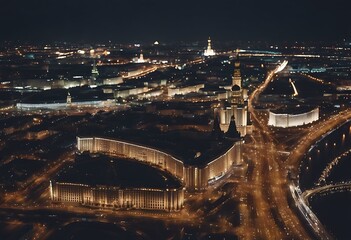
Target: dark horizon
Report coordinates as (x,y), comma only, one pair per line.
(142,20)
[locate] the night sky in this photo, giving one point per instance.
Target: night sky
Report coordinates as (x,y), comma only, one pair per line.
(165,20)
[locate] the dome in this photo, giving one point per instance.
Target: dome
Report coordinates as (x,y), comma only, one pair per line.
(236,88)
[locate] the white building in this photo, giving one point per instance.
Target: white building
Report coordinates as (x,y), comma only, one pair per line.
(295,118)
(140,59)
(209,51)
(172,91)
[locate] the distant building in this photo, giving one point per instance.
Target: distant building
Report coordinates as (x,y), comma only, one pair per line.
(209,51)
(94,72)
(67,104)
(69,99)
(113,80)
(292,117)
(182,90)
(140,59)
(125,92)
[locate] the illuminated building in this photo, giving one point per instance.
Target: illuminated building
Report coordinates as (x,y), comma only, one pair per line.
(196,173)
(235,105)
(69,99)
(128,91)
(111,183)
(140,59)
(94,72)
(292,117)
(182,90)
(39,135)
(113,81)
(209,51)
(63,105)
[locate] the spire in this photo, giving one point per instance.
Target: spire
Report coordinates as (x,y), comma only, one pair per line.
(232,130)
(216,130)
(237,74)
(209,51)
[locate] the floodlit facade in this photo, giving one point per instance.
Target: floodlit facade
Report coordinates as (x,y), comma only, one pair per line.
(115,197)
(194,176)
(64,105)
(236,105)
(285,120)
(184,90)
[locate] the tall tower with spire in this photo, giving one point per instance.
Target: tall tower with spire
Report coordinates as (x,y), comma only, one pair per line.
(209,51)
(236,80)
(235,107)
(236,94)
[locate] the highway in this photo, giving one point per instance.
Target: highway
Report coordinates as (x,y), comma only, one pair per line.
(276,179)
(47,220)
(274,213)
(336,186)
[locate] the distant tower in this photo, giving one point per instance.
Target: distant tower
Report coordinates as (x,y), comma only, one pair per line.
(139,59)
(47,68)
(69,99)
(94,72)
(236,93)
(209,51)
(236,80)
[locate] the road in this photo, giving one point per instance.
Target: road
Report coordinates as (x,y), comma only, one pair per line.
(337,186)
(274,182)
(31,192)
(275,219)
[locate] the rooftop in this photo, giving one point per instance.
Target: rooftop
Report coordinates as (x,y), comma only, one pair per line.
(293,110)
(184,145)
(118,172)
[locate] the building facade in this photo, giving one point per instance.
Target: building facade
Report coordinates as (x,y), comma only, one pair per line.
(235,105)
(285,120)
(194,177)
(209,51)
(115,197)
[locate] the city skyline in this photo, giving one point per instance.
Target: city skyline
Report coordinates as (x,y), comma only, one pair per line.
(150,119)
(237,143)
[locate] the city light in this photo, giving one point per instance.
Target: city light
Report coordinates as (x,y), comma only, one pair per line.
(114,134)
